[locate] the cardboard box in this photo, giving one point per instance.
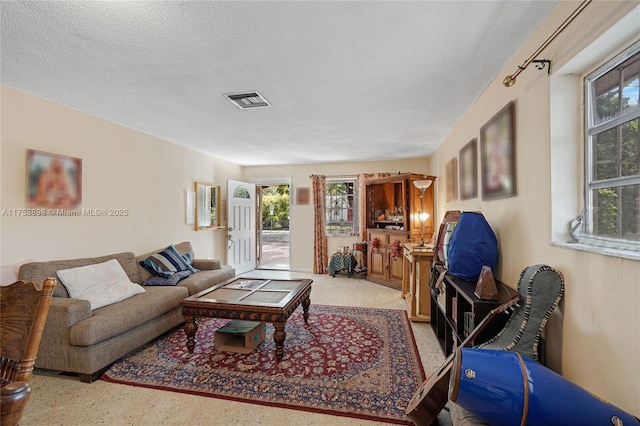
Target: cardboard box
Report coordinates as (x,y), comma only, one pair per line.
(240,336)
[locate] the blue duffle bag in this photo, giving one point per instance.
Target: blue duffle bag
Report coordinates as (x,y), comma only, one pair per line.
(473,245)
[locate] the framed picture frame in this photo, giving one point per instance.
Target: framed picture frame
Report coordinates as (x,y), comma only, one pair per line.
(498,154)
(53,180)
(451,174)
(469,170)
(303,195)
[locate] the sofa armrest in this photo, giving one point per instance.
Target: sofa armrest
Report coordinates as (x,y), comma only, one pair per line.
(206,264)
(54,347)
(65,312)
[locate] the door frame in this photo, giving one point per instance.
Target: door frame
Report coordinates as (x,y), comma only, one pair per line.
(259,182)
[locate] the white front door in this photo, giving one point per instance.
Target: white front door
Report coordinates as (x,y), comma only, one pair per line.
(241,211)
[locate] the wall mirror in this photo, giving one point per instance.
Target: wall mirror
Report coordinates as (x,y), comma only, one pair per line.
(207,205)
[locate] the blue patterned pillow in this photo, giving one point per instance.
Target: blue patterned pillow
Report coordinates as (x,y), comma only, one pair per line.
(166,263)
(173,280)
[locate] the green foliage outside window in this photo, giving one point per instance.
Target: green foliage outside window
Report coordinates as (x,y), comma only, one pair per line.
(615,152)
(278,197)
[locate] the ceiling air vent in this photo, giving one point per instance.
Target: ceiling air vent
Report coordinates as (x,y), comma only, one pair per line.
(248,100)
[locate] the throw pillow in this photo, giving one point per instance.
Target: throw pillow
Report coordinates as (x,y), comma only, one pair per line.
(173,280)
(187,256)
(101,284)
(166,263)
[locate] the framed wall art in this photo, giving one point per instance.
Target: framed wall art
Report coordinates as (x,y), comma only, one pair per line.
(469,170)
(53,180)
(303,196)
(451,174)
(498,154)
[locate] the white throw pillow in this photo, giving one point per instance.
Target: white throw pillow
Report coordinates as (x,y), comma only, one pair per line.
(101,284)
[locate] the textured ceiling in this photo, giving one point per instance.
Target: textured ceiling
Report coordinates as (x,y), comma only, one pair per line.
(347,81)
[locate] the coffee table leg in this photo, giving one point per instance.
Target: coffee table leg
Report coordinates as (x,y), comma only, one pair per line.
(278,336)
(190,328)
(305,309)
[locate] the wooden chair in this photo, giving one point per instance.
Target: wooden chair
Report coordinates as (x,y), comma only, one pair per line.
(23,312)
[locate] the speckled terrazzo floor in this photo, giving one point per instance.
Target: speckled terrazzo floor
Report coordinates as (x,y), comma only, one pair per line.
(63,400)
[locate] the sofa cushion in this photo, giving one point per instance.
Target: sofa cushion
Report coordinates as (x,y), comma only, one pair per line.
(155,280)
(39,271)
(101,284)
(207,278)
(128,314)
(185,248)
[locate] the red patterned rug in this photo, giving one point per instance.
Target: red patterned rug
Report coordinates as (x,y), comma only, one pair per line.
(347,361)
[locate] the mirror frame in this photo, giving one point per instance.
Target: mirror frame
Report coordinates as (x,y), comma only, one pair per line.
(206,204)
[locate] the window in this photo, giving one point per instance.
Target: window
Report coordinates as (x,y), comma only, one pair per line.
(241,192)
(612,155)
(341,204)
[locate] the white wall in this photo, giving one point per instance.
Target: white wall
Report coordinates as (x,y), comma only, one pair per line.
(121,168)
(593,339)
(301,223)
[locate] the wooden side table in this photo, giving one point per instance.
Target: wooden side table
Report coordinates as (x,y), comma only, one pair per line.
(415,281)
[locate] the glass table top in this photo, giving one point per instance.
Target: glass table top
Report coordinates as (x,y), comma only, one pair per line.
(249,290)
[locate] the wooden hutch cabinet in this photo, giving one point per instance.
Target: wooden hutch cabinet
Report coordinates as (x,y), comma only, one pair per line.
(392,212)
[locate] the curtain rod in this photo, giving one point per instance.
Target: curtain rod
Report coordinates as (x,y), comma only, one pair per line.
(510,80)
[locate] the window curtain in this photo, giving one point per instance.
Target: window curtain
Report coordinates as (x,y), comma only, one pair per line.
(320,247)
(363,179)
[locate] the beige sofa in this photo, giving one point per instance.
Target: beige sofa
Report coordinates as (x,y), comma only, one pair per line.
(79,340)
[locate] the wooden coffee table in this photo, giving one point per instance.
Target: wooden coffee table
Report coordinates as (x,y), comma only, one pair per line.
(249,299)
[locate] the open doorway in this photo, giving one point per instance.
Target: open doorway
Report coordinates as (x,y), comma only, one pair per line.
(274,240)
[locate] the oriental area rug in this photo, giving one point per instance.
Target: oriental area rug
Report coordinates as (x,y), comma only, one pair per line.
(346,361)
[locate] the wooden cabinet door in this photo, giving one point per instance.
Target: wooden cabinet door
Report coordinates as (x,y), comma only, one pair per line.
(423,294)
(395,267)
(376,266)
